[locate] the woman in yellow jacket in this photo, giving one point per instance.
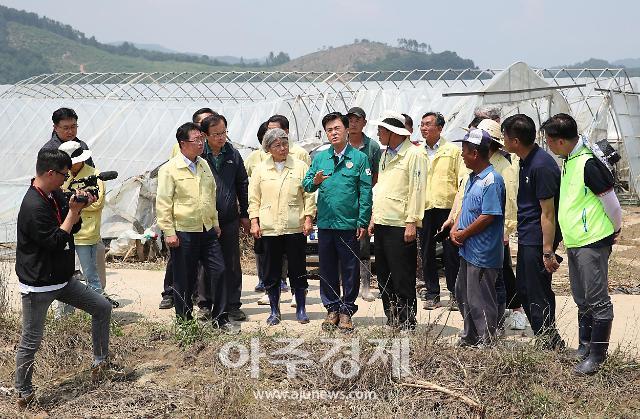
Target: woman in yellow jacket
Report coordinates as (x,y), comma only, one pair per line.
(281,214)
(87,238)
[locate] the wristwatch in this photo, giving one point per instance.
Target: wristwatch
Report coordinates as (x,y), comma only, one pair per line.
(548,255)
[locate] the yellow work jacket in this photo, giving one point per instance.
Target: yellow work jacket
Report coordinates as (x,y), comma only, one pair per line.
(400,192)
(258,156)
(253,159)
(509,172)
(446,172)
(89,233)
(277,199)
(186,201)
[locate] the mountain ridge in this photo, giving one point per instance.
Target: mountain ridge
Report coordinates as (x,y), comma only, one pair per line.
(32,45)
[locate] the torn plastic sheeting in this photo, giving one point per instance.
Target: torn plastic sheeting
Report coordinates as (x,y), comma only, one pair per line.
(124,242)
(130,205)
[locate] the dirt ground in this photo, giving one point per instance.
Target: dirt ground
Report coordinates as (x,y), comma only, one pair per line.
(176,371)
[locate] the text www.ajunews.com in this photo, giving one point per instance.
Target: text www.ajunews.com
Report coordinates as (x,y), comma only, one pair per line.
(314,395)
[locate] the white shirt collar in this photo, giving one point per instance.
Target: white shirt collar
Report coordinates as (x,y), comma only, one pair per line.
(435,146)
(190,164)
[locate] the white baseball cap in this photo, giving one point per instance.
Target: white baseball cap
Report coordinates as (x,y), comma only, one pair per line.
(75,151)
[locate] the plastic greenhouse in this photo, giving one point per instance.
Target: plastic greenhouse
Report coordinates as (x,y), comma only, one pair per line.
(129,119)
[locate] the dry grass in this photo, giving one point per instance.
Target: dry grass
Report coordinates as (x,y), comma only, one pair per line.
(173,377)
(175,371)
(4,291)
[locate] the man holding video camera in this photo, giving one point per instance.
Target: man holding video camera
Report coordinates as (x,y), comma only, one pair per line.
(45,265)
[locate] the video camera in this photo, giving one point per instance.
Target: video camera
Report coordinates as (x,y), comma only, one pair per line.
(88,184)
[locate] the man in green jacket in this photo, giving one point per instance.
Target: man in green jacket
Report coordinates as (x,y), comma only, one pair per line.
(590,217)
(342,177)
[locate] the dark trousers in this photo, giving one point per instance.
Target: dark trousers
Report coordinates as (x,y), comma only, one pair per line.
(534,289)
(420,284)
(365,248)
(260,266)
(501,286)
(431,223)
(230,245)
(396,269)
(509,278)
(293,246)
(338,258)
(197,247)
(260,269)
(167,289)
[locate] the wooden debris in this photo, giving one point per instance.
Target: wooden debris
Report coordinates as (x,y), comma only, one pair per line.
(427,385)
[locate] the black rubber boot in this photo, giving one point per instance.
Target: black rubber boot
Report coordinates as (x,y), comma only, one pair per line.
(585,323)
(598,347)
(301,299)
(274,303)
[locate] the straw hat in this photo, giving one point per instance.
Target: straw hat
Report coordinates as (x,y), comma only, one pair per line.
(493,129)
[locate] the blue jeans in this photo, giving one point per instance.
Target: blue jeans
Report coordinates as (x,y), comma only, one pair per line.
(338,251)
(34,314)
(89,262)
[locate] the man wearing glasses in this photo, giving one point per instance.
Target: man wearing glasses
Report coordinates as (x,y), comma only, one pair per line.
(187,214)
(65,128)
(197,118)
(445,173)
(232,203)
(167,291)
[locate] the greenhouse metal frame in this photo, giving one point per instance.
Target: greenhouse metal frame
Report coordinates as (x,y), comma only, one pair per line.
(129,119)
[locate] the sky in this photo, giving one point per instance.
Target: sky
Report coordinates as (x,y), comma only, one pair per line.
(493,34)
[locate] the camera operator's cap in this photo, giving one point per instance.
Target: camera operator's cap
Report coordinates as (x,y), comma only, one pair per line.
(493,129)
(479,137)
(356,111)
(75,151)
(393,121)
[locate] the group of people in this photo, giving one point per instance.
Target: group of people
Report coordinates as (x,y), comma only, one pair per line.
(471,198)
